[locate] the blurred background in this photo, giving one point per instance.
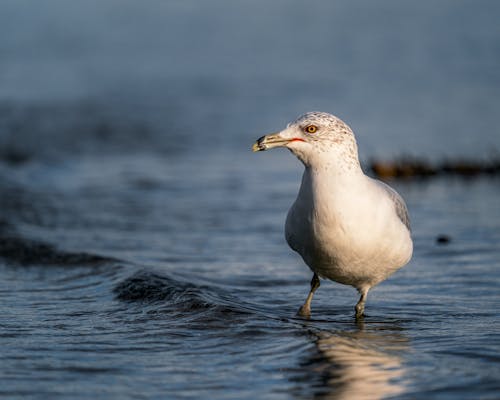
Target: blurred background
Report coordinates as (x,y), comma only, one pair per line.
(415,78)
(141,242)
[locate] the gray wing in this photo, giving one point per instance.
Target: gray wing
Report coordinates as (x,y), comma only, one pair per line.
(399,204)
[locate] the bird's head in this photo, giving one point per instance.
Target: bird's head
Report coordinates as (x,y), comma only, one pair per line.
(314,137)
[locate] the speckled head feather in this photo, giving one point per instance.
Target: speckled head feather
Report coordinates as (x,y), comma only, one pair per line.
(324,120)
(333,137)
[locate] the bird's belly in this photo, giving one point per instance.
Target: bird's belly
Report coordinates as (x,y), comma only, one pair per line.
(334,249)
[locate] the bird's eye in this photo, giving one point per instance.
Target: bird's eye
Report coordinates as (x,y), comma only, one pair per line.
(311,128)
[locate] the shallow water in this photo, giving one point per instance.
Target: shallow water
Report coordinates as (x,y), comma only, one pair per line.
(196,294)
(141,242)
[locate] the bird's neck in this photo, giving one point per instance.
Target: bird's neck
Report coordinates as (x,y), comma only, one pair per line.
(336,163)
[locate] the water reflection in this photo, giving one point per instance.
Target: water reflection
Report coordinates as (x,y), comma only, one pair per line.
(363,364)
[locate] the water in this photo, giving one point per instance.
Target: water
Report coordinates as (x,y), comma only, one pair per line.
(141,242)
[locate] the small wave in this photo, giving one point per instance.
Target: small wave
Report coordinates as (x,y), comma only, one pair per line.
(23,251)
(149,287)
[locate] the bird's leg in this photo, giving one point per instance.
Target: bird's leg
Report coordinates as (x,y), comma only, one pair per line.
(305,310)
(360,306)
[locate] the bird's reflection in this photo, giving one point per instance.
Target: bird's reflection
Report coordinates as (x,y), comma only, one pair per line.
(362,364)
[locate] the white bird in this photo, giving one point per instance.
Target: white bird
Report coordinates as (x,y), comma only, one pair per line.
(347,227)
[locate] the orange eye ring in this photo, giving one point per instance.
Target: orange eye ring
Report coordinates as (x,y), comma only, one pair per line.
(311,128)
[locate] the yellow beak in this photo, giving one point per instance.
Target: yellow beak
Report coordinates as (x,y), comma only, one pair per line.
(269,141)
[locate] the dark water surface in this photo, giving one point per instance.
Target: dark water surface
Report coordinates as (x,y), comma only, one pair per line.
(141,242)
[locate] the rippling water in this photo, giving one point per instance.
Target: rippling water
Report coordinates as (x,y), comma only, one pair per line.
(141,242)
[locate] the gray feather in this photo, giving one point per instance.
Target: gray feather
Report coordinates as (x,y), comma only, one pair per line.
(399,204)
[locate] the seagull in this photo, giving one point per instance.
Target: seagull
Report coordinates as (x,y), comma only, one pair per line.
(348,227)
